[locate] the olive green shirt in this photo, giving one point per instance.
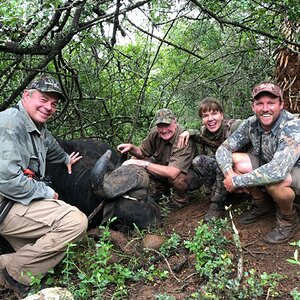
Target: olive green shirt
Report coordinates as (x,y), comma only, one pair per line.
(167,153)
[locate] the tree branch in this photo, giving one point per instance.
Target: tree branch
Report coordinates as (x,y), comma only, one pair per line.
(165,41)
(246,28)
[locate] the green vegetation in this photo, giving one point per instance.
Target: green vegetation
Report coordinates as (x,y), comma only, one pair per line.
(120,61)
(95,269)
(215,264)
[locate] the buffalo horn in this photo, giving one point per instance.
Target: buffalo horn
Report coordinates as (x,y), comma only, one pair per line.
(98,172)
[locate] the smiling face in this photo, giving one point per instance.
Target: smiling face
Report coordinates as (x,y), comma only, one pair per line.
(166,131)
(267,109)
(40,106)
(212,120)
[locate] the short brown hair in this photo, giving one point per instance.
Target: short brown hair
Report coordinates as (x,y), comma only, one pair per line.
(209,104)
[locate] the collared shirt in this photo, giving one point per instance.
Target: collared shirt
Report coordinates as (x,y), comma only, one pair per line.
(167,153)
(278,149)
(17,134)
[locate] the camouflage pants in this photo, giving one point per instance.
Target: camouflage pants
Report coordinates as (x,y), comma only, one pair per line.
(210,175)
(204,168)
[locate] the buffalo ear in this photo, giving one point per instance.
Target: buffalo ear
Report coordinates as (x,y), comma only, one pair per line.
(99,169)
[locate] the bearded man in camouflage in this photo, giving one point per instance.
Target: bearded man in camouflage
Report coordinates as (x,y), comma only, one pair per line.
(271,173)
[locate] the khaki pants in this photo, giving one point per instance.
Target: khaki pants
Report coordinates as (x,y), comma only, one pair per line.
(39,234)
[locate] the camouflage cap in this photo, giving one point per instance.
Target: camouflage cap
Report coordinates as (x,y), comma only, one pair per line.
(267,87)
(164,116)
(46,84)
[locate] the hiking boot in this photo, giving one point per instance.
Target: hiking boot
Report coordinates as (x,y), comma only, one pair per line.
(214,211)
(20,290)
(285,229)
(177,202)
(258,209)
(217,207)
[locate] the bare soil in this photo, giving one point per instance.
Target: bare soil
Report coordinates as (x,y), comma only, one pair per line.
(256,254)
(183,280)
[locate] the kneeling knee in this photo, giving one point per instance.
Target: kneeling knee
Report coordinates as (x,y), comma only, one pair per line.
(78,221)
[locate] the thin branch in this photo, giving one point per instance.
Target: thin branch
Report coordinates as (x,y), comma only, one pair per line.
(246,28)
(165,41)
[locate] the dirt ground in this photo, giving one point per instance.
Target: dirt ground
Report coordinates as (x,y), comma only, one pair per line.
(184,280)
(257,255)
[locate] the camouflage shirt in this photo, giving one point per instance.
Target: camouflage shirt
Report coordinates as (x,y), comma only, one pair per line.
(210,141)
(278,150)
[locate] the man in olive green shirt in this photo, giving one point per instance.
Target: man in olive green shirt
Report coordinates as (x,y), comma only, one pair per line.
(159,155)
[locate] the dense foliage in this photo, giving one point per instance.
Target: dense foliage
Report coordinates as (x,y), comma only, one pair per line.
(119,61)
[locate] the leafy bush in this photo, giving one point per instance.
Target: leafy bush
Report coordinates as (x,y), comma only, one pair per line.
(216,266)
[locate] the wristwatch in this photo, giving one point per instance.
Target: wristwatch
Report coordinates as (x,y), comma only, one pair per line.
(147,164)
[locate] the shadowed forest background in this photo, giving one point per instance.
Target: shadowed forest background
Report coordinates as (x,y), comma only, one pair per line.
(120,61)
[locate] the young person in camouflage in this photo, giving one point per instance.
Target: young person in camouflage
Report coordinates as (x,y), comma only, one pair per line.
(166,164)
(273,164)
(34,222)
(212,134)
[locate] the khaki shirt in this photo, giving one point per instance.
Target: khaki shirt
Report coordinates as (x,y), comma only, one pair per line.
(167,153)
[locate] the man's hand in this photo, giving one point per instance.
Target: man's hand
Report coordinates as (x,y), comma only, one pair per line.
(228,183)
(183,139)
(74,158)
(124,148)
(136,162)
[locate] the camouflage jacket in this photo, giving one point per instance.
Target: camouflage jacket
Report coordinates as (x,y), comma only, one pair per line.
(278,150)
(210,141)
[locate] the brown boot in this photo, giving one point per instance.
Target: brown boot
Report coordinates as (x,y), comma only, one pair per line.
(285,229)
(177,202)
(259,208)
(2,281)
(20,290)
(214,212)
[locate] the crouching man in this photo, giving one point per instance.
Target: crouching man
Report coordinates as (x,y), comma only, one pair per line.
(167,164)
(35,223)
(271,172)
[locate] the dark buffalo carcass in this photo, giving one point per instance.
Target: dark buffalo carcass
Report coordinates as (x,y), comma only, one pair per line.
(103,189)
